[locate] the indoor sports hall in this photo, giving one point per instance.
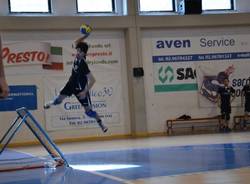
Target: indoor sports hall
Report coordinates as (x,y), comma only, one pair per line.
(124,92)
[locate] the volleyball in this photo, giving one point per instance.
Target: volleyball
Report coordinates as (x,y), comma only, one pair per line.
(85,29)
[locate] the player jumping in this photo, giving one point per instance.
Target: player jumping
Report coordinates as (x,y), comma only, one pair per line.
(79,83)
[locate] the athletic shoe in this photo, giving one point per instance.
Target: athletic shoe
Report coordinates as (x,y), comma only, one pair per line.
(104,129)
(47,105)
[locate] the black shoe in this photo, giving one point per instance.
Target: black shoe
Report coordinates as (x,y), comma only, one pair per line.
(104,129)
(48,104)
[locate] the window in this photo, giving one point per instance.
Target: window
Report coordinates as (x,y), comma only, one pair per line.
(95,6)
(156,5)
(217,5)
(29,6)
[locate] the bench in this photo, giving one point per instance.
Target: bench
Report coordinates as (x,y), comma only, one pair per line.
(192,123)
(238,119)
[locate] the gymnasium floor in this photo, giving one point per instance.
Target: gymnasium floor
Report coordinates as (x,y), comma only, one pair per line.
(194,159)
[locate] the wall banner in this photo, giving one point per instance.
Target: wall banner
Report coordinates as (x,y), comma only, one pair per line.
(20,96)
(175,61)
(104,61)
(26,58)
(210,78)
(70,114)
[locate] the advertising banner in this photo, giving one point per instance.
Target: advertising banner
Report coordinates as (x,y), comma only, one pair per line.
(20,96)
(193,64)
(105,98)
(33,58)
(103,60)
(210,78)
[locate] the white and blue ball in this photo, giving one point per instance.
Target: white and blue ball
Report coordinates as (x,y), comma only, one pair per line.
(85,29)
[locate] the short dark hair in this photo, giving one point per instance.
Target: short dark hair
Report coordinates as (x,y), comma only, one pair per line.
(83,46)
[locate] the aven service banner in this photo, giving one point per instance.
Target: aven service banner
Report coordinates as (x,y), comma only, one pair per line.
(199,63)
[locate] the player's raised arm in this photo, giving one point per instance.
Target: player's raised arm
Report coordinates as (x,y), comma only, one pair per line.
(85,30)
(81,39)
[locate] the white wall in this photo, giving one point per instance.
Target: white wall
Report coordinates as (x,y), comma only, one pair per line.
(242,5)
(133,27)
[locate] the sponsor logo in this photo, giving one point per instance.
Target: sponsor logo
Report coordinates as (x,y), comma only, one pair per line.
(238,84)
(69,106)
(175,79)
(204,42)
(25,57)
(167,44)
(166,74)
